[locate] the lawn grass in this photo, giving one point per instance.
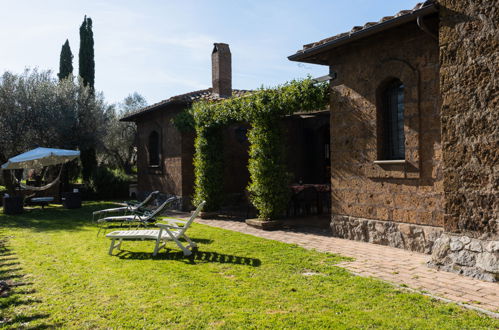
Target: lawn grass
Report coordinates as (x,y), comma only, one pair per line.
(234,281)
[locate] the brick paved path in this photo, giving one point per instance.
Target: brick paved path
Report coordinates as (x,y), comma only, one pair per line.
(397,266)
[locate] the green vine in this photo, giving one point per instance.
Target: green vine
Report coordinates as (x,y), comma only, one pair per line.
(208,167)
(184,121)
(269,179)
(262,109)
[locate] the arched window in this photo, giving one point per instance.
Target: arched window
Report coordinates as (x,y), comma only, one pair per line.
(392,112)
(153,149)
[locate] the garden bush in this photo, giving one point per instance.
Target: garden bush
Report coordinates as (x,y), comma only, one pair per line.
(3,191)
(109,184)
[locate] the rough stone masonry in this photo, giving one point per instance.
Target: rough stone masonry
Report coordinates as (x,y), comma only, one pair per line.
(469,84)
(468,256)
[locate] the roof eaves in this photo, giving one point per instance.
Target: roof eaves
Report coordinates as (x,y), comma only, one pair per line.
(153,107)
(307,55)
(186,98)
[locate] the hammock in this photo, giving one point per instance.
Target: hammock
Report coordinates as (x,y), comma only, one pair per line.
(41,188)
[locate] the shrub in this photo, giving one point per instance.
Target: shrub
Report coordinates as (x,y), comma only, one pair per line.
(109,184)
(269,180)
(3,191)
(208,168)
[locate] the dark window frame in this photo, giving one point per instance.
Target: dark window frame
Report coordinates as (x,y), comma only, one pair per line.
(392,121)
(153,149)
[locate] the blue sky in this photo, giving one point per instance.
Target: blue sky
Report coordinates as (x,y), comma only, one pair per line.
(163,48)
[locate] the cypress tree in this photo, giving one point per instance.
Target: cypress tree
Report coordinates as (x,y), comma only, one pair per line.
(65,69)
(86,70)
(86,55)
(65,61)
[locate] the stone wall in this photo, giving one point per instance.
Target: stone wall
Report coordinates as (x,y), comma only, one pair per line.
(399,235)
(469,57)
(467,255)
(469,82)
(167,177)
(361,189)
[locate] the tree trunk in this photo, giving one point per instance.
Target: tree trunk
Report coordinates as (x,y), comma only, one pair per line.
(9,182)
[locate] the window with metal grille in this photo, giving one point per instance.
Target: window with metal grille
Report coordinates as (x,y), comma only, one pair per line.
(393,143)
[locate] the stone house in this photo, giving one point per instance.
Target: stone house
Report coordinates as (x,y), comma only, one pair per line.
(415,122)
(165,155)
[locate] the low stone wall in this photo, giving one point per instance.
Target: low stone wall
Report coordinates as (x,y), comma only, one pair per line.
(400,235)
(478,258)
(457,253)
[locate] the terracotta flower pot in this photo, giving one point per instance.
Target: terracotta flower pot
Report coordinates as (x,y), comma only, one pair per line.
(264,224)
(208,215)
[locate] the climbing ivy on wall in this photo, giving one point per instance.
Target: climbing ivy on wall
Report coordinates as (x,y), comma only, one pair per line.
(208,167)
(269,179)
(263,110)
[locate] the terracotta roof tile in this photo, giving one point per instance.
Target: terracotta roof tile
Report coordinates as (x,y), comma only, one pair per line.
(357,29)
(187,98)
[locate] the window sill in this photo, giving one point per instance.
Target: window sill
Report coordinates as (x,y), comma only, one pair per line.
(392,169)
(391,162)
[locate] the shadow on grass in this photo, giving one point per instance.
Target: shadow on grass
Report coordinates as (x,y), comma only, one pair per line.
(8,264)
(195,257)
(24,319)
(8,270)
(10,277)
(16,293)
(16,300)
(25,291)
(7,254)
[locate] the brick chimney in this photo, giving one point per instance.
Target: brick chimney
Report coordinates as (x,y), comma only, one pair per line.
(221,70)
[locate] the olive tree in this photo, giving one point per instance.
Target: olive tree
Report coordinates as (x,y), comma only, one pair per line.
(121,137)
(38,110)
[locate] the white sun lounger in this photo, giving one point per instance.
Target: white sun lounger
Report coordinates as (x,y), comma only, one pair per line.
(141,219)
(170,231)
(126,208)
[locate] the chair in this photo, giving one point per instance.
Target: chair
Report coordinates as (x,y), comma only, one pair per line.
(127,207)
(305,202)
(170,231)
(143,218)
